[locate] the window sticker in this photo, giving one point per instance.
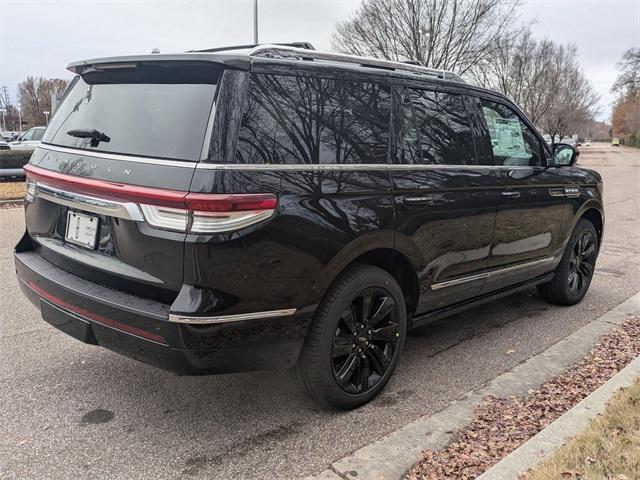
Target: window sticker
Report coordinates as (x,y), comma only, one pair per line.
(506,135)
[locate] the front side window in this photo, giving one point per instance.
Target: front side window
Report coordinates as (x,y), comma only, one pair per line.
(311,120)
(435,129)
(28,136)
(512,141)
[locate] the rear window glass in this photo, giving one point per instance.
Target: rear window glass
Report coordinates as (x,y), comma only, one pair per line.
(310,120)
(149,111)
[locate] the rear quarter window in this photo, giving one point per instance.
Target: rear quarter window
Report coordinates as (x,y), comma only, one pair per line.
(311,120)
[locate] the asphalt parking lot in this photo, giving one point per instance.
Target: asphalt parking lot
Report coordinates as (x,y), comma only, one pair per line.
(69,410)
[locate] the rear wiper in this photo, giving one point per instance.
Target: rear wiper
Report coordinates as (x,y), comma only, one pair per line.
(95,135)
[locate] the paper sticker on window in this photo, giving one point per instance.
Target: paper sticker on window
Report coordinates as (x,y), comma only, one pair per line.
(506,135)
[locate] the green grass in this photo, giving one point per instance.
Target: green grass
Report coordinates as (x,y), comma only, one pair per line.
(608,449)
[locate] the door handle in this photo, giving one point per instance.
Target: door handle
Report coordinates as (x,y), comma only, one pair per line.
(416,200)
(511,194)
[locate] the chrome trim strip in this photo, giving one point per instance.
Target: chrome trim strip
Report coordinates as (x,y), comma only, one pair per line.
(115,156)
(348,167)
(493,273)
(458,281)
(192,320)
(534,263)
(112,208)
(202,165)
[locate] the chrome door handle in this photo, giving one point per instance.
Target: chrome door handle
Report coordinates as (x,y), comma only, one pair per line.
(511,194)
(416,200)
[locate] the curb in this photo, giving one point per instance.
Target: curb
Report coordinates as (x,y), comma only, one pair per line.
(391,456)
(570,424)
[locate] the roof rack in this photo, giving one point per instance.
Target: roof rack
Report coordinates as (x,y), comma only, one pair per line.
(294,52)
(304,45)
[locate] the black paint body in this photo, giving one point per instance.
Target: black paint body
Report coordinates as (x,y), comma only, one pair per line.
(427,225)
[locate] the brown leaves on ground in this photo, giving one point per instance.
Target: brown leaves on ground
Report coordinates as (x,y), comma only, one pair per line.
(12,190)
(501,425)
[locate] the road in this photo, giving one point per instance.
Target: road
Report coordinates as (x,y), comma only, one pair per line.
(69,410)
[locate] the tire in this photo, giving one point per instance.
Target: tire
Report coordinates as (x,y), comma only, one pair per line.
(574,272)
(342,365)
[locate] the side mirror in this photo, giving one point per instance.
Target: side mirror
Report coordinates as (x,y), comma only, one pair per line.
(564,154)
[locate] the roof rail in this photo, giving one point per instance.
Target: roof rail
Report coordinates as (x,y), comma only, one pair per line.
(305,45)
(293,52)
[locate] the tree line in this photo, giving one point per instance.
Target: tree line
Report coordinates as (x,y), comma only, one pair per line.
(34,96)
(626,110)
(486,43)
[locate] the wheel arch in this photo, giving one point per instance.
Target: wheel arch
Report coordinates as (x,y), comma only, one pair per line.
(594,215)
(387,258)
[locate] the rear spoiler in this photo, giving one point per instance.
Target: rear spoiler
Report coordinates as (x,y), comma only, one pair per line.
(236,62)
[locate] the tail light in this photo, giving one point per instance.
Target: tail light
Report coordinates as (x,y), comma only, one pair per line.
(205,213)
(165,209)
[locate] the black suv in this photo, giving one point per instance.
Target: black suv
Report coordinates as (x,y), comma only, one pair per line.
(274,207)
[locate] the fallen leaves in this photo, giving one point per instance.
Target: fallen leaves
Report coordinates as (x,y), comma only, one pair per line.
(501,425)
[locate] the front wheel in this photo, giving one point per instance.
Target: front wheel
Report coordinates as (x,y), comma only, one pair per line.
(575,271)
(355,340)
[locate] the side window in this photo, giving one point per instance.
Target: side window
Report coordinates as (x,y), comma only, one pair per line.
(37,134)
(310,120)
(439,132)
(28,136)
(512,141)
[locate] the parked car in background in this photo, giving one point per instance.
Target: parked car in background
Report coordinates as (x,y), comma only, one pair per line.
(615,142)
(277,207)
(4,145)
(29,140)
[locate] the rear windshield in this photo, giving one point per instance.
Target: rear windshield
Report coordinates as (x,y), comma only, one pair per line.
(154,110)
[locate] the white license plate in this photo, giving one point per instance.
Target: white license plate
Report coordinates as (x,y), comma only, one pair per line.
(82,229)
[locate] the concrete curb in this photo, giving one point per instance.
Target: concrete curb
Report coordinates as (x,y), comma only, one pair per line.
(567,426)
(391,456)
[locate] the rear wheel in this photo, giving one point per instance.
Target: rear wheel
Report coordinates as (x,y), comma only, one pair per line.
(355,340)
(575,271)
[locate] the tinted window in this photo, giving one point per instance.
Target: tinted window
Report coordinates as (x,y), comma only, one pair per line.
(435,129)
(310,120)
(151,111)
(512,141)
(37,134)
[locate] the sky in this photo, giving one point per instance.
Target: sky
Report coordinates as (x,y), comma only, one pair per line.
(40,37)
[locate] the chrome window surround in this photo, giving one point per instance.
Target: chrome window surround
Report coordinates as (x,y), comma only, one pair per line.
(278,167)
(239,317)
(493,273)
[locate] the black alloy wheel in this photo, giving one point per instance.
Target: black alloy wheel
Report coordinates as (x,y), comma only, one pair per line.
(365,340)
(574,272)
(582,262)
(355,339)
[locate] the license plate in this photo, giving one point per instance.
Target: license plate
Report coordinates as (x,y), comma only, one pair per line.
(82,229)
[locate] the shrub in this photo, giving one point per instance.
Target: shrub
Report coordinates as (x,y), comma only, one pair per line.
(14,158)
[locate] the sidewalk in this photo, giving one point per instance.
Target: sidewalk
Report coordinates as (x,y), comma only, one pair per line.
(391,456)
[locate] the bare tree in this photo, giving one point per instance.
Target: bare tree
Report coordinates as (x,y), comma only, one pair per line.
(626,111)
(35,97)
(629,66)
(447,34)
(544,79)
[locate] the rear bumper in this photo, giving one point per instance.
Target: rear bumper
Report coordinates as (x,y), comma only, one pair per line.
(140,328)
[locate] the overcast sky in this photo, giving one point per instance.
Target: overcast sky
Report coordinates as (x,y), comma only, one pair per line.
(40,37)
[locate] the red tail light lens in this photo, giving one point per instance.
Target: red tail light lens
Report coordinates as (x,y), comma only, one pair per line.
(170,209)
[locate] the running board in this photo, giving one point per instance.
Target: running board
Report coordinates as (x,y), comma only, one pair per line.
(428,317)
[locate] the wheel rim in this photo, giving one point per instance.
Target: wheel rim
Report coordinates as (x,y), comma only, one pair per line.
(366,340)
(582,262)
